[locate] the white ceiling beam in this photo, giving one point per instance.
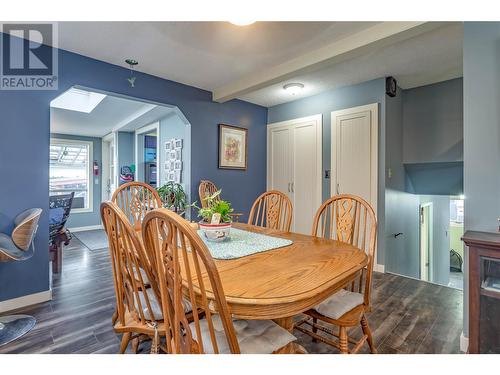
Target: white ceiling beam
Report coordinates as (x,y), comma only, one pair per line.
(377,36)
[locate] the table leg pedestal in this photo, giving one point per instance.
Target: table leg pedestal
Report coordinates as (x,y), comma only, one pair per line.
(286,323)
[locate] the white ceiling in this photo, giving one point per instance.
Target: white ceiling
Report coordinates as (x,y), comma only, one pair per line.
(202,54)
(112,113)
(432,57)
(221,57)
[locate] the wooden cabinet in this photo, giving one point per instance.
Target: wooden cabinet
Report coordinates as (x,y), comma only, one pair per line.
(484,291)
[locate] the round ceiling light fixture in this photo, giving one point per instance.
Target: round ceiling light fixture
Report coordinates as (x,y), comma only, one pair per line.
(293,88)
(242,22)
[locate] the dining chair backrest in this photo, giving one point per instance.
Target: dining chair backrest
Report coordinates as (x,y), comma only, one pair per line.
(130,267)
(135,199)
(273,210)
(206,189)
(26,225)
(350,219)
(185,268)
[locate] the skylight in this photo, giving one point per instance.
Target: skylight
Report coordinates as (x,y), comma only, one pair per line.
(78,100)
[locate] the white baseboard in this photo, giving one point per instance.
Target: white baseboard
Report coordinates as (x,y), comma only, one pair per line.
(464,343)
(379,268)
(31,299)
(83,229)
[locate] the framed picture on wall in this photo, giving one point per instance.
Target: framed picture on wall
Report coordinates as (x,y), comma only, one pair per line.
(178,143)
(168,146)
(178,165)
(178,154)
(232,147)
(177,176)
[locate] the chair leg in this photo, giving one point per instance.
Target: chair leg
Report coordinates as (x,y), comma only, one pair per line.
(314,329)
(344,349)
(125,340)
(114,317)
(135,345)
(368,332)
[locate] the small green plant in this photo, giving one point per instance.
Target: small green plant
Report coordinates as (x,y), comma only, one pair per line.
(215,205)
(173,196)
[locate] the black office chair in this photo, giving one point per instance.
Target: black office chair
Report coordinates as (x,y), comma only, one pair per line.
(59,210)
(16,247)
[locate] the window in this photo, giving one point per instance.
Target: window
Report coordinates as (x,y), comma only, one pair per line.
(70,170)
(457,210)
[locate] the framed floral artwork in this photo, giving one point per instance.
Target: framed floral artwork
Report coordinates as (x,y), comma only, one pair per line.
(232,147)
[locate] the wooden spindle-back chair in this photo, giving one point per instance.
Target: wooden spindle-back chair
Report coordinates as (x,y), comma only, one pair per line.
(135,199)
(187,269)
(350,219)
(208,188)
(273,210)
(137,294)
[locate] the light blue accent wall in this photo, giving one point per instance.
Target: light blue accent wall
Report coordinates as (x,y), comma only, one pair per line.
(441,178)
(433,138)
(174,126)
(401,207)
(481,61)
(126,149)
(83,219)
(341,98)
(433,123)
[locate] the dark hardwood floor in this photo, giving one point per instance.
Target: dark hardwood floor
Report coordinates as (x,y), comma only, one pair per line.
(409,316)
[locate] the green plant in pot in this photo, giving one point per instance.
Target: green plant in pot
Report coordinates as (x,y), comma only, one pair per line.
(173,196)
(216,219)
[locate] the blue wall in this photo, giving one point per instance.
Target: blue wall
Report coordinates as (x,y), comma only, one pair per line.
(324,103)
(24,150)
(83,219)
(401,207)
(433,123)
(481,131)
(125,150)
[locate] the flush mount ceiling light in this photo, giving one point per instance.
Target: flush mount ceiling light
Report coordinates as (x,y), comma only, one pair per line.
(293,88)
(242,22)
(78,100)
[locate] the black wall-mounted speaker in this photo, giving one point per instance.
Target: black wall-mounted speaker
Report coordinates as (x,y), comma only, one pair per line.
(391,86)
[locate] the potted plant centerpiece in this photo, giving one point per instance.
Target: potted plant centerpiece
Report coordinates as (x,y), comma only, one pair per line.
(173,197)
(216,221)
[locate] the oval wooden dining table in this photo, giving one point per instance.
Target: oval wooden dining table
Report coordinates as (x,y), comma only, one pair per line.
(280,283)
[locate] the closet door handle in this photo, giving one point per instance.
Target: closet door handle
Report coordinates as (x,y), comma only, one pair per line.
(292,186)
(289,187)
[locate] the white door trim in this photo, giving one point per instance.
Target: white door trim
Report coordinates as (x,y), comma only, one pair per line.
(373,109)
(318,119)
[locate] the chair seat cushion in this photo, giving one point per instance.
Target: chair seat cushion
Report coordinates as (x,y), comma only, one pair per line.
(156,306)
(254,336)
(341,302)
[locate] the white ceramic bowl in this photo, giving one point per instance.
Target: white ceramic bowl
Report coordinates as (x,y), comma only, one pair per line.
(216,232)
